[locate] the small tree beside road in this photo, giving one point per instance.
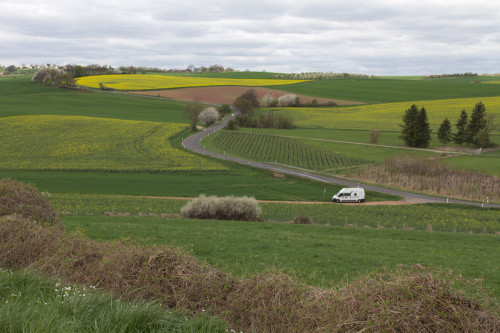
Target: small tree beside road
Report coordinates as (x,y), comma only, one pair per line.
(192,110)
(209,116)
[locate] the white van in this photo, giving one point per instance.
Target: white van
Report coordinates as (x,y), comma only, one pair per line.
(355,194)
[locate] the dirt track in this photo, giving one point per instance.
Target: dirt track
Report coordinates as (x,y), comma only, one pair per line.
(405,201)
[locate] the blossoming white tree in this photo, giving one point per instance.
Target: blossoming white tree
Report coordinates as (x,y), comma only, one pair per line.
(208,116)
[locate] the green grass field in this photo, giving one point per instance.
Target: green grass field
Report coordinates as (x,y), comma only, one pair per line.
(75,143)
(33,304)
(21,97)
(386,116)
(317,254)
(394,90)
(440,217)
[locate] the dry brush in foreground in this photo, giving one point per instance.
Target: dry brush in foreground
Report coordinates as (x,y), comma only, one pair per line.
(409,300)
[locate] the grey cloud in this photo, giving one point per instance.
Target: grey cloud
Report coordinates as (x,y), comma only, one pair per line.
(373,37)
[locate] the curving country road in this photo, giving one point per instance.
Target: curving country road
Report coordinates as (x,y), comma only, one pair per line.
(193,143)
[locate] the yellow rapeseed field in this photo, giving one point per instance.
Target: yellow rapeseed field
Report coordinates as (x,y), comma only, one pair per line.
(149,82)
(388,116)
(85,143)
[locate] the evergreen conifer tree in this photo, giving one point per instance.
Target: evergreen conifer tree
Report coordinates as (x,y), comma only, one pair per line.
(461,136)
(477,121)
(423,132)
(409,126)
(444,132)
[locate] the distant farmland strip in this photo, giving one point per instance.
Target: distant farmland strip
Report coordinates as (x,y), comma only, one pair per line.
(151,82)
(272,148)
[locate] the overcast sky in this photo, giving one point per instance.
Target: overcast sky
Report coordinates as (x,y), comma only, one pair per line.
(389,37)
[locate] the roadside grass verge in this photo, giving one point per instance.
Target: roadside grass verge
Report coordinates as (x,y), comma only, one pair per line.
(439,217)
(396,299)
(31,303)
(318,255)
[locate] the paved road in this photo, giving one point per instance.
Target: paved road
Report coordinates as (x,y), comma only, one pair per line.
(193,143)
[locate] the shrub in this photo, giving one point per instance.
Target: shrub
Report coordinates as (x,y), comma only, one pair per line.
(268,99)
(208,116)
(104,87)
(22,199)
(11,69)
(302,219)
(224,208)
(54,77)
(224,110)
(374,136)
(243,105)
(231,125)
(287,100)
(251,96)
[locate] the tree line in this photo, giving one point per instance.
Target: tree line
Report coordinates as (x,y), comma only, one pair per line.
(416,131)
(322,76)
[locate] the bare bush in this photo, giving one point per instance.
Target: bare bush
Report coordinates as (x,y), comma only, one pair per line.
(103,87)
(22,199)
(302,219)
(208,116)
(223,208)
(374,136)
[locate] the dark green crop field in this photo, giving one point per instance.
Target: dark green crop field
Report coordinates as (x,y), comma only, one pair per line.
(21,97)
(394,90)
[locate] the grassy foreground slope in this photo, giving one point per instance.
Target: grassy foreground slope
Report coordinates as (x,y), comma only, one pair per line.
(30,303)
(317,255)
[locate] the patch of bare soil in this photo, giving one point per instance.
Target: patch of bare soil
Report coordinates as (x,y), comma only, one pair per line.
(227,95)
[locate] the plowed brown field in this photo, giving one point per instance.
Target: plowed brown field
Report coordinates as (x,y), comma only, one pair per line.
(227,94)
